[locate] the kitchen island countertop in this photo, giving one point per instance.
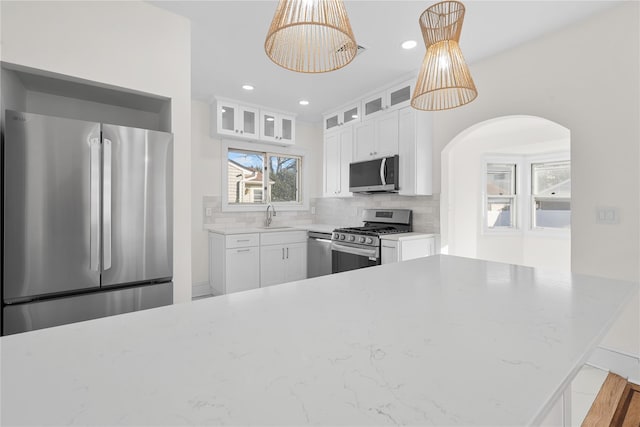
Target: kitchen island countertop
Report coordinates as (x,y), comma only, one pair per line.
(440,340)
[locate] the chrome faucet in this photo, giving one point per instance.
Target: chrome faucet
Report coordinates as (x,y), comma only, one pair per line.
(269,215)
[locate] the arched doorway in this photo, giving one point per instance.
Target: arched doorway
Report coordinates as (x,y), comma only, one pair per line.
(518,140)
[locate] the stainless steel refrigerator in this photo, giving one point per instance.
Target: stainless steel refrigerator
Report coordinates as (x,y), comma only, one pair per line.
(87,220)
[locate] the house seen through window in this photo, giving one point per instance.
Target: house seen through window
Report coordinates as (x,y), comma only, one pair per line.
(255,177)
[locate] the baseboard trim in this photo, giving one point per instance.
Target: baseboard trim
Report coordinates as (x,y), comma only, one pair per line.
(624,364)
(201,289)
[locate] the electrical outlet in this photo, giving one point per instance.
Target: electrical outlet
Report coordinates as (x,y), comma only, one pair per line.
(313,210)
(208,212)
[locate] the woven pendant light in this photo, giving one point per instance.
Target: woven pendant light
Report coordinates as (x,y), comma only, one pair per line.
(444,81)
(311,36)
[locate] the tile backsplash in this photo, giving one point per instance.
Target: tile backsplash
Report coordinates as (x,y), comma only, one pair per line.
(335,211)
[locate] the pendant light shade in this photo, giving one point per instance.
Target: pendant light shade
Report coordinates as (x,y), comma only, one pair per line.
(311,36)
(444,81)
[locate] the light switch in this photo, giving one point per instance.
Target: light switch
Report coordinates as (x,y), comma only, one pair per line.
(607,215)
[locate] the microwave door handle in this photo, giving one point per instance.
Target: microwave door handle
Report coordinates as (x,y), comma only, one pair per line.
(383,171)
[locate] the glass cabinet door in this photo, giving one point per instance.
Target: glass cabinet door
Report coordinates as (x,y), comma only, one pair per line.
(400,95)
(351,115)
(268,125)
(331,122)
(373,105)
(226,118)
(249,125)
(286,131)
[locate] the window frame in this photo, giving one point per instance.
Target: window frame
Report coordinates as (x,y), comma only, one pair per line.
(516,161)
(524,195)
(226,145)
(530,205)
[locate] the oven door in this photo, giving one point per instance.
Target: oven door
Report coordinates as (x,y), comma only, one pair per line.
(346,257)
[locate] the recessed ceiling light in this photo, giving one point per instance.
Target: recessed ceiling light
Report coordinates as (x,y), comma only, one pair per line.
(409,44)
(270,119)
(303,102)
(247,87)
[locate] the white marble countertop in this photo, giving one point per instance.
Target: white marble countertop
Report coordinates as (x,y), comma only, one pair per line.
(322,228)
(406,236)
(439,340)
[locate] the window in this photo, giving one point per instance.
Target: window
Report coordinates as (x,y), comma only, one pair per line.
(551,194)
(527,193)
(256,178)
(501,195)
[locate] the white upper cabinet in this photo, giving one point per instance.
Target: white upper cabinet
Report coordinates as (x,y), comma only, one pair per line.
(344,116)
(338,150)
(276,127)
(376,138)
(237,120)
(397,96)
(254,123)
(415,145)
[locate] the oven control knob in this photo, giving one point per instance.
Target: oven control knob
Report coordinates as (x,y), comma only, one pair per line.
(369,240)
(342,236)
(352,238)
(361,240)
(336,236)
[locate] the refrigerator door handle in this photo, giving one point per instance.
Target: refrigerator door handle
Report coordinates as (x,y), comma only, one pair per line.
(106,205)
(94,208)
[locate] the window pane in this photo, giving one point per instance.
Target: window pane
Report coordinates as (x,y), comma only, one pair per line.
(501,179)
(500,212)
(552,213)
(551,179)
(284,178)
(245,178)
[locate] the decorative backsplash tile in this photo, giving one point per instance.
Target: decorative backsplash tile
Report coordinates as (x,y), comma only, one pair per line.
(335,211)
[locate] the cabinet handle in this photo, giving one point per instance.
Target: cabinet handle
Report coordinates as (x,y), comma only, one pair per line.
(236,130)
(243,250)
(287,253)
(241,131)
(282,253)
(242,240)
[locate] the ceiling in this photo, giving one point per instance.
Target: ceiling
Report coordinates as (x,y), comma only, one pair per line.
(228,47)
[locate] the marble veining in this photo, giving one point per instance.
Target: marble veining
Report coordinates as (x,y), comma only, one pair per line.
(433,341)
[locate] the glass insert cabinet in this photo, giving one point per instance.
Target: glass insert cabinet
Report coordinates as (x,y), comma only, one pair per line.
(238,120)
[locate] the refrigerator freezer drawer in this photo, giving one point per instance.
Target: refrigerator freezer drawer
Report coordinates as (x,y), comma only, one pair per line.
(60,311)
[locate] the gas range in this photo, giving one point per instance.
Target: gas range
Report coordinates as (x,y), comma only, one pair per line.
(377,222)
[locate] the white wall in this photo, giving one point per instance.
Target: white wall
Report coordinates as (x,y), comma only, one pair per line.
(206,177)
(132,45)
(584,77)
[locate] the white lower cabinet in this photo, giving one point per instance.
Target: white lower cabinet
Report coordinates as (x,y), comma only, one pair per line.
(234,262)
(240,262)
(283,257)
(406,246)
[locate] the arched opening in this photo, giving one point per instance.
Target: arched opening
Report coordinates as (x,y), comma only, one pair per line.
(524,150)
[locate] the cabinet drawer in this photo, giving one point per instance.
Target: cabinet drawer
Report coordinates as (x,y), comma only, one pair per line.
(242,240)
(282,238)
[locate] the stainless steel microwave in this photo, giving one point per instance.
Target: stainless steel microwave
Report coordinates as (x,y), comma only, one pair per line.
(374,176)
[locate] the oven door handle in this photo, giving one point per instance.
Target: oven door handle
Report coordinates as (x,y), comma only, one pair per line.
(354,251)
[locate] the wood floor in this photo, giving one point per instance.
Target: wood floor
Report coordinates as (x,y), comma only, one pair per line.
(617,405)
